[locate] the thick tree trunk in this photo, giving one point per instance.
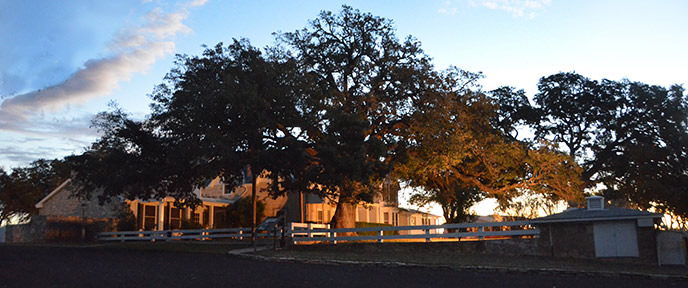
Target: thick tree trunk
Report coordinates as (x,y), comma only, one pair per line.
(344,216)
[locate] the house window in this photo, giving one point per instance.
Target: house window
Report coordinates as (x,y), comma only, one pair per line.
(413,220)
(321,216)
(150,214)
(386,216)
(175,218)
(197,218)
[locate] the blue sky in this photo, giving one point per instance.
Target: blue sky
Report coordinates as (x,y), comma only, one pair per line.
(63,61)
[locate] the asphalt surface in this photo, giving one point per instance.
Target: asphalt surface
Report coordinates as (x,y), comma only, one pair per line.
(41,266)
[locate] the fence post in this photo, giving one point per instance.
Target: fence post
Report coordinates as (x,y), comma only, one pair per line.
(427,232)
(241,232)
(274,237)
(481,229)
(309,227)
(334,234)
(380,233)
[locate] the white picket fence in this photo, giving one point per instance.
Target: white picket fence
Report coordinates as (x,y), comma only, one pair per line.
(309,232)
(195,234)
(313,233)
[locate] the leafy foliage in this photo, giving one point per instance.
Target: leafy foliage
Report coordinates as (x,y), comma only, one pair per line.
(629,136)
(367,83)
(25,186)
(460,149)
(240,213)
(215,116)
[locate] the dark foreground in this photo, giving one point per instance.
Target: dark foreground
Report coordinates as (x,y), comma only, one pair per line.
(41,266)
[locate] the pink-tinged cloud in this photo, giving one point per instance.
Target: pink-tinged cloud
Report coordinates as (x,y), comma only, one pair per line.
(136,49)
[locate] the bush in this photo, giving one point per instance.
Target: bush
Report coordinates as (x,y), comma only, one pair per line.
(240,213)
(126,221)
(190,224)
(373,233)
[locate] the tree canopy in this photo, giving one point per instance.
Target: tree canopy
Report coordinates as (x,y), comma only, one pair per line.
(343,106)
(459,149)
(23,187)
(628,136)
(369,83)
(334,109)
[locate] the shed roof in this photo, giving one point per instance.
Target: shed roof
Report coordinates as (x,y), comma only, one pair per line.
(582,214)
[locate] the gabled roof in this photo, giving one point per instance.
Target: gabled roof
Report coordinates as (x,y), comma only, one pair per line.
(582,214)
(64,184)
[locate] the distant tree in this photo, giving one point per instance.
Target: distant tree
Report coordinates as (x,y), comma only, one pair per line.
(572,109)
(514,111)
(643,154)
(459,148)
(25,186)
(455,200)
(629,136)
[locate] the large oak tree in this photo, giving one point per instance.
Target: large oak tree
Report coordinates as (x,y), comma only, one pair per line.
(628,136)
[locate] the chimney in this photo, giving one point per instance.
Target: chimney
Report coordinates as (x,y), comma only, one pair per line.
(595,202)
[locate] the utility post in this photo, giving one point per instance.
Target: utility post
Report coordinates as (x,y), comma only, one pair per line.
(83,222)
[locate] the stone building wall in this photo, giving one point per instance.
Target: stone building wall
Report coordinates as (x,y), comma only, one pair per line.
(63,204)
(647,244)
(577,240)
(52,229)
(571,239)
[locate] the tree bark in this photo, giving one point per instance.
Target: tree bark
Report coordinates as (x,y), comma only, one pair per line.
(344,216)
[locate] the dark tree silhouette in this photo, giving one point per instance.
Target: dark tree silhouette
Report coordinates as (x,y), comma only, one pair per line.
(629,136)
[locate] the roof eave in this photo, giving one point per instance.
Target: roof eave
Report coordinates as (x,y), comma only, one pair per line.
(652,216)
(64,184)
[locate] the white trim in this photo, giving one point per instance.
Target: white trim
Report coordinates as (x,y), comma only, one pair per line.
(596,219)
(64,184)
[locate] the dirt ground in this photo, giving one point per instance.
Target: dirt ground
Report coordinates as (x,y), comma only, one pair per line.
(424,254)
(199,265)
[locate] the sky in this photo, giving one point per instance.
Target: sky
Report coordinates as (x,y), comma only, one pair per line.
(61,62)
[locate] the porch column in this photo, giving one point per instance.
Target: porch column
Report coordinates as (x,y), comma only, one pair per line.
(211,217)
(133,207)
(161,215)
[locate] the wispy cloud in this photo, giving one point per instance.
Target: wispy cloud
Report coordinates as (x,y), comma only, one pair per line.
(518,8)
(448,8)
(134,50)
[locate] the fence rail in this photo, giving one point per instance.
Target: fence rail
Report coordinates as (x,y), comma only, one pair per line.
(309,232)
(196,234)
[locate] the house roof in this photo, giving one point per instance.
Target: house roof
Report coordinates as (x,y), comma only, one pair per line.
(57,190)
(609,213)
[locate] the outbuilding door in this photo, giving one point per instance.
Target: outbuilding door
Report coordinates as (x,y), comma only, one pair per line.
(615,239)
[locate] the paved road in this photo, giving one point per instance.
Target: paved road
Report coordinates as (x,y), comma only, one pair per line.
(30,266)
